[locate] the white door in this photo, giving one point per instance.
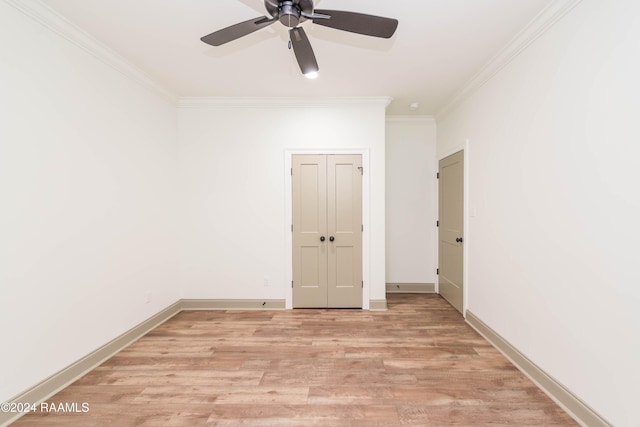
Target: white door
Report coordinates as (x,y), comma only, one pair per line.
(327,230)
(450,230)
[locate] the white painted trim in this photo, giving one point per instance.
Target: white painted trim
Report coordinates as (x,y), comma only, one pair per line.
(281,102)
(572,404)
(466,234)
(536,28)
(423,120)
(366,219)
(47,17)
(436,215)
(454,150)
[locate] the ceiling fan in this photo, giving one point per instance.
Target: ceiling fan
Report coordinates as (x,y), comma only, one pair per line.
(292,13)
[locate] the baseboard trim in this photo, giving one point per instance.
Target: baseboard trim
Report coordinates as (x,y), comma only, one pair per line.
(378,305)
(232,304)
(572,404)
(50,386)
(56,382)
(411,288)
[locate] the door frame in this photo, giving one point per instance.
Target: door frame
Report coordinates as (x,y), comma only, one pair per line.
(465,222)
(366,215)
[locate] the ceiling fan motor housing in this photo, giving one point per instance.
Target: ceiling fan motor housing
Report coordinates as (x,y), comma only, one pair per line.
(289,12)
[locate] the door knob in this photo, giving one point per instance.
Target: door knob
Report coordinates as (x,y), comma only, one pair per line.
(331,238)
(322,238)
(459,239)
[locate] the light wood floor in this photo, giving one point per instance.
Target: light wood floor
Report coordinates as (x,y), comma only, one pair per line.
(417,364)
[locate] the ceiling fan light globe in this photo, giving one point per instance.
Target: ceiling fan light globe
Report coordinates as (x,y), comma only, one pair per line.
(311,75)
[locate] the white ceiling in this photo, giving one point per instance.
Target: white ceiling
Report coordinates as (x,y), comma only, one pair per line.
(439,46)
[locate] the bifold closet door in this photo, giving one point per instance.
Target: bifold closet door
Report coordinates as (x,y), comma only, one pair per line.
(327,231)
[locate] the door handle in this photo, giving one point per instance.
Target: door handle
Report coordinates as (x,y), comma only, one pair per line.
(322,238)
(459,239)
(331,238)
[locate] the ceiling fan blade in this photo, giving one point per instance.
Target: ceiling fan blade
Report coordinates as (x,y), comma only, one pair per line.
(359,23)
(236,31)
(303,50)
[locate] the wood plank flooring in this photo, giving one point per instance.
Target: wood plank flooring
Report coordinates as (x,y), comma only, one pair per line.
(417,364)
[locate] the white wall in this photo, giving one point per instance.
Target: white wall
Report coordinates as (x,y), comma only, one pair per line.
(554,170)
(232,182)
(87,178)
(411,199)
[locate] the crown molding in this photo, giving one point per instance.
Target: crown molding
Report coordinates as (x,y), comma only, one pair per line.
(423,120)
(47,17)
(546,19)
(283,102)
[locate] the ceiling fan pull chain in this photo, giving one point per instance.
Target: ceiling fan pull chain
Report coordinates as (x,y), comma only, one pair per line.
(289,44)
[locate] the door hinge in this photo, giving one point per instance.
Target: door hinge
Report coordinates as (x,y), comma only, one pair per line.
(363,284)
(292,228)
(437,223)
(361,170)
(438,175)
(292,284)
(362,227)
(437,271)
(291,171)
